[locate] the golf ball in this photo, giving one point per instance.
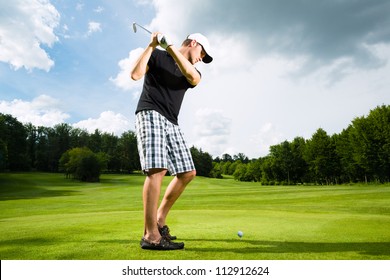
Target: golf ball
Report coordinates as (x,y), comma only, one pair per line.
(240,233)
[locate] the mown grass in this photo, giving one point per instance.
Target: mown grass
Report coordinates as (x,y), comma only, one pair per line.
(45,216)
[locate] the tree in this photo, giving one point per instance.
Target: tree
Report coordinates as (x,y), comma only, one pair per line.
(42,149)
(232,167)
(79,138)
(267,176)
(3,143)
(82,164)
(240,173)
(203,162)
(248,172)
(283,161)
(370,141)
(3,155)
(13,144)
(254,169)
(216,172)
(349,169)
(109,145)
(58,142)
(95,141)
(241,157)
(227,157)
(127,152)
(321,157)
(299,166)
(89,169)
(31,144)
(225,166)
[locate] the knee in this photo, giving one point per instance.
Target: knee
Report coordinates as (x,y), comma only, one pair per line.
(192,174)
(187,176)
(156,174)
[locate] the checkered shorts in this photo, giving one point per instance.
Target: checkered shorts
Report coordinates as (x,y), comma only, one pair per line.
(161,144)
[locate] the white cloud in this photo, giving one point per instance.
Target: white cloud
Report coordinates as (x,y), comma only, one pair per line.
(108,121)
(45,111)
(94,27)
(25,25)
(212,129)
(267,103)
(123,80)
(290,29)
(267,136)
(277,76)
(41,111)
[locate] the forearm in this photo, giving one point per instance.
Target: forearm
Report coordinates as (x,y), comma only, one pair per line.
(141,65)
(186,67)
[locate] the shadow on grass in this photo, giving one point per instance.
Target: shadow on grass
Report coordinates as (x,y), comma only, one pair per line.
(256,246)
(16,186)
(40,241)
(220,247)
(31,192)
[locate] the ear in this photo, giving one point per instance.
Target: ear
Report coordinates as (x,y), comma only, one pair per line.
(193,43)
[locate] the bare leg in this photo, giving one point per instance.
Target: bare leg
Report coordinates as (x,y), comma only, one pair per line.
(151,196)
(172,193)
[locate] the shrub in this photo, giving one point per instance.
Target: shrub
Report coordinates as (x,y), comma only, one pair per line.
(82,164)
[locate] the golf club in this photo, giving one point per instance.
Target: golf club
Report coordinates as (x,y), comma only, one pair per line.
(135,28)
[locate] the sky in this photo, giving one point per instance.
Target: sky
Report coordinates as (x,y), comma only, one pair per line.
(282,68)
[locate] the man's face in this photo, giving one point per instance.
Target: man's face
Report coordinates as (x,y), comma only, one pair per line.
(197,52)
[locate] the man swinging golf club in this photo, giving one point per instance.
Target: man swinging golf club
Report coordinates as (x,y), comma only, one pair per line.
(168,75)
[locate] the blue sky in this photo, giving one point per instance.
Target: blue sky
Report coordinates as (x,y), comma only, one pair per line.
(281,69)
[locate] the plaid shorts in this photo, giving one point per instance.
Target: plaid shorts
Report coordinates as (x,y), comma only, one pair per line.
(161,144)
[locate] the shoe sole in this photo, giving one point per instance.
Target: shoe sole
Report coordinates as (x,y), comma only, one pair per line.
(165,246)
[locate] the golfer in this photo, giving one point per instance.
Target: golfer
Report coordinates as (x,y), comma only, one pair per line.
(168,74)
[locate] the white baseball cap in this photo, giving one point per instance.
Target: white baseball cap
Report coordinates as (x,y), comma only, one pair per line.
(201,39)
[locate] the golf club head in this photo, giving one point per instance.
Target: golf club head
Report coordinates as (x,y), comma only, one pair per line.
(135,28)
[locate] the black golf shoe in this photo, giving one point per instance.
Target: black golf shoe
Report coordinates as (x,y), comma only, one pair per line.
(164,231)
(164,244)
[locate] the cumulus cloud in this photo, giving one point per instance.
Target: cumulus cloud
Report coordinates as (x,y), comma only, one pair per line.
(281,68)
(26,25)
(122,80)
(322,32)
(212,129)
(45,111)
(41,111)
(267,136)
(108,121)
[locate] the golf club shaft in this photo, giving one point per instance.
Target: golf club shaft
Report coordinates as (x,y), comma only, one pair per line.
(142,27)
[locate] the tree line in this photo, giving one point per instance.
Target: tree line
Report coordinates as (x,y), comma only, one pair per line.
(73,151)
(27,147)
(360,153)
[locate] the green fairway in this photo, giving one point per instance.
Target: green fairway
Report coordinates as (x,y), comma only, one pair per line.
(45,216)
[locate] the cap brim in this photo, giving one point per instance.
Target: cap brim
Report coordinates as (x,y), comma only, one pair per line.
(207,59)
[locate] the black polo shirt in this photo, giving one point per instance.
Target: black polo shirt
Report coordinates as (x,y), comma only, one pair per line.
(164,86)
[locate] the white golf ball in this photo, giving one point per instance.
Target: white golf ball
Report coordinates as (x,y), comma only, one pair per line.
(240,233)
